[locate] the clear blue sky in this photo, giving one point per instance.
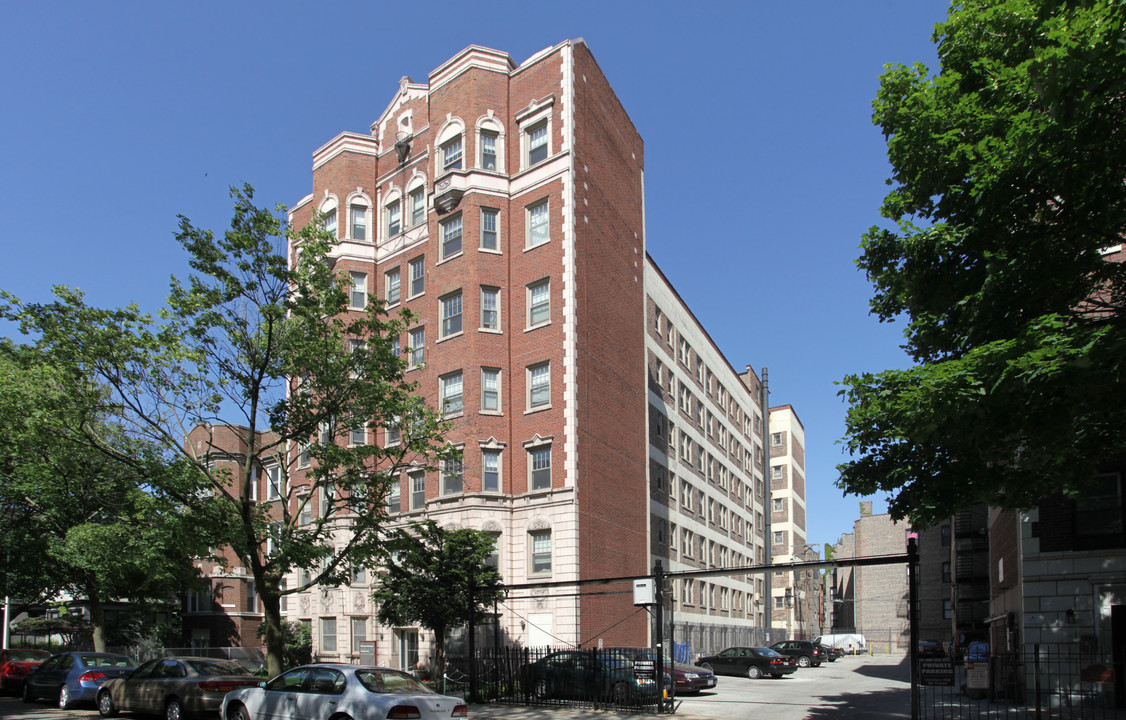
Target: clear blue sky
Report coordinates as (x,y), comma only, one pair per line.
(763,168)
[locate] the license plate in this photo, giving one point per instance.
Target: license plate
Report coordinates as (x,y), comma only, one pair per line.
(710,682)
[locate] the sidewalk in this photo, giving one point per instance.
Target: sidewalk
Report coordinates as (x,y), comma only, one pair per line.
(530,712)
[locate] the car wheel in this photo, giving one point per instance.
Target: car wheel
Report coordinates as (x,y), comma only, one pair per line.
(803,661)
(26,693)
(621,694)
(539,689)
(173,710)
(64,698)
(106,708)
(754,672)
(707,667)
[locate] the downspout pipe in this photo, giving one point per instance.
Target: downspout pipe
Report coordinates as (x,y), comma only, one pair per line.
(766,537)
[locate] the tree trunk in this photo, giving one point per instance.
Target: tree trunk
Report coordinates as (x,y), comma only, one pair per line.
(271,618)
(97,620)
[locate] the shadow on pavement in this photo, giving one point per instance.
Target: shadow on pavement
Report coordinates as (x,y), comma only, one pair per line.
(901,671)
(878,705)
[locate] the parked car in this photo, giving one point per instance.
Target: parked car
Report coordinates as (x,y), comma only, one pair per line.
(74,677)
(977,651)
(15,666)
(689,679)
(587,674)
(806,652)
(849,643)
(175,687)
(750,661)
(323,691)
(830,653)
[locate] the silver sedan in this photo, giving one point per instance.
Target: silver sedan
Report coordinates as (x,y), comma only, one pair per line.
(174,687)
(343,692)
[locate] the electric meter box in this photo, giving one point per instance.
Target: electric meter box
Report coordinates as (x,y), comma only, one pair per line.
(643,593)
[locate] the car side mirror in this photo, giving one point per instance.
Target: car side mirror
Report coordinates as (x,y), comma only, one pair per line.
(262,684)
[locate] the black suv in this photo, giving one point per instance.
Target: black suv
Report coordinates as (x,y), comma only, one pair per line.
(807,652)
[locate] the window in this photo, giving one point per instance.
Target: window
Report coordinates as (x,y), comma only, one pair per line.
(488,151)
(451,476)
(539,386)
(779,537)
(418,277)
(539,303)
(392,281)
(451,154)
(540,460)
(394,498)
(493,560)
(490,308)
(359,632)
(394,218)
(359,222)
(451,315)
(541,551)
(947,609)
(490,234)
(451,394)
(251,597)
(417,350)
(328,634)
(274,486)
(417,482)
(490,470)
(329,218)
(394,431)
(303,455)
(490,390)
(358,299)
(451,237)
(358,436)
(946,572)
(417,200)
(537,224)
(776,472)
(775,438)
(779,504)
(537,143)
(944,532)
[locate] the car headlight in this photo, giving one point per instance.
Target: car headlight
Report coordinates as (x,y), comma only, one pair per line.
(691,676)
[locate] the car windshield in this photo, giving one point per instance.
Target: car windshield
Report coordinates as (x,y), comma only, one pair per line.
(103,661)
(380,680)
(216,667)
(28,655)
(767,652)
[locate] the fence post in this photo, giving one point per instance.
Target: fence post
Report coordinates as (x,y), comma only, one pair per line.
(1036,676)
(913,621)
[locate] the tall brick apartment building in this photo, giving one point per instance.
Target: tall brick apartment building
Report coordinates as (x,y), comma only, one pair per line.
(601,428)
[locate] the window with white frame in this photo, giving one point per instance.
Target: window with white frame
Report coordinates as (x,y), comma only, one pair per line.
(452,476)
(451,237)
(275,487)
(776,438)
(358,436)
(418,276)
(490,308)
(776,472)
(490,390)
(539,386)
(537,140)
(393,431)
(451,314)
(451,154)
(358,298)
(328,634)
(540,541)
(779,504)
(417,482)
(539,464)
(394,497)
(393,284)
(417,200)
(359,222)
(394,211)
(328,217)
(490,229)
(493,559)
(539,303)
(416,354)
(451,393)
(490,470)
(538,224)
(359,627)
(303,460)
(779,537)
(488,150)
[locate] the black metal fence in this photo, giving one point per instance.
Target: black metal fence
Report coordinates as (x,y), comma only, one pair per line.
(596,678)
(1037,683)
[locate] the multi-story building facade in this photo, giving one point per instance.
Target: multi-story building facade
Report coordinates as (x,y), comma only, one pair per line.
(795,595)
(601,430)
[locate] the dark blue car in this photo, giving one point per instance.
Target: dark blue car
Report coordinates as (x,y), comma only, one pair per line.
(74,677)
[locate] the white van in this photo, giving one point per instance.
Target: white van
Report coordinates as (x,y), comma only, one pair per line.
(850,643)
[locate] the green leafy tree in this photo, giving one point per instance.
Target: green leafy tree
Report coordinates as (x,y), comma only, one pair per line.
(78,520)
(298,638)
(260,343)
(1007,189)
(438,579)
(72,629)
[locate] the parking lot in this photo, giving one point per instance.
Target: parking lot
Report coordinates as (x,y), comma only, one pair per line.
(852,687)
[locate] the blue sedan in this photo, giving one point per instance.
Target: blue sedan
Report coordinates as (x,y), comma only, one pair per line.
(74,677)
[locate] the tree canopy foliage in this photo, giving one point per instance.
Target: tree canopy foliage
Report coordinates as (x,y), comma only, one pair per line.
(1007,202)
(263,344)
(438,579)
(79,521)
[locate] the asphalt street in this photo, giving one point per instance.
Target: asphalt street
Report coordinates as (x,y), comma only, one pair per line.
(874,688)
